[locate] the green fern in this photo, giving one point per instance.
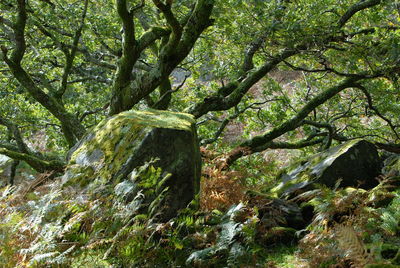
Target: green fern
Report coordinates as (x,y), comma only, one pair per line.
(391,217)
(226,243)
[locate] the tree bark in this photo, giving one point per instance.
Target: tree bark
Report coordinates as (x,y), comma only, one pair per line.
(35,162)
(129,90)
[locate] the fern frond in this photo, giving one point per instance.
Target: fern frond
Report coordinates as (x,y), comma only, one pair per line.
(353,247)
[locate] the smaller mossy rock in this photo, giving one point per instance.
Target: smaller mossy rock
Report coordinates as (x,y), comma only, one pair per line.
(280,235)
(111,151)
(355,163)
(391,252)
(275,212)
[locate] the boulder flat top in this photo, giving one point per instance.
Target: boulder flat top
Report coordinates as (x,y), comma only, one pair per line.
(159,119)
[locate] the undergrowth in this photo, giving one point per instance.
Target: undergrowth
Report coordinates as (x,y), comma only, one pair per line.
(118,225)
(226,226)
(353,227)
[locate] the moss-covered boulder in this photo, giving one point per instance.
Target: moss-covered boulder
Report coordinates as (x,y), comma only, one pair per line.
(356,163)
(110,153)
(279,235)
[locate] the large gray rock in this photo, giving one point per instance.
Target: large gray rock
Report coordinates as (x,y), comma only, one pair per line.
(110,153)
(356,163)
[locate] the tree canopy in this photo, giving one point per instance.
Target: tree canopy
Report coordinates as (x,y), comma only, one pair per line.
(293,73)
(150,129)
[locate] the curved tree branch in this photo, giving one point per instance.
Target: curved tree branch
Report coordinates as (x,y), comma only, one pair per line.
(249,54)
(172,22)
(14,130)
(257,143)
(379,114)
(361,5)
(330,128)
(35,162)
(226,121)
(232,94)
(230,158)
(70,55)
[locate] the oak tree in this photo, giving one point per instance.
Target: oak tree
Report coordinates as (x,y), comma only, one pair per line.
(294,73)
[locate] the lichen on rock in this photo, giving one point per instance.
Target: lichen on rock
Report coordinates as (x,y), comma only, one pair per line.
(119,144)
(355,163)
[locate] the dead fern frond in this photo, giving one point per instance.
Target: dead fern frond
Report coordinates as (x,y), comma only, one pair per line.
(208,155)
(40,179)
(352,246)
(220,192)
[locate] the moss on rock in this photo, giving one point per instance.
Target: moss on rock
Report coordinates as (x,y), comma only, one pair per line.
(280,235)
(356,163)
(119,144)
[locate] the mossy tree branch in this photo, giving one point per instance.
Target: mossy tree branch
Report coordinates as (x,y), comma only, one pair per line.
(14,130)
(35,162)
(129,90)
